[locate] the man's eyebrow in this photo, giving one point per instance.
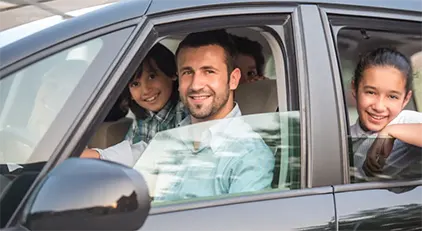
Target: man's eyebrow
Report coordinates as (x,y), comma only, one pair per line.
(187,68)
(396,92)
(208,68)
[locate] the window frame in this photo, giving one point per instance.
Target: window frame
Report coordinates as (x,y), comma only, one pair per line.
(258,16)
(347,17)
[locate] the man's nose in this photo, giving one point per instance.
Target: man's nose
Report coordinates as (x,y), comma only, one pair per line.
(198,82)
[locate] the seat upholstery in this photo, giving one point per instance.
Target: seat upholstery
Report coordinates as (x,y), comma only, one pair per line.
(110,133)
(257,97)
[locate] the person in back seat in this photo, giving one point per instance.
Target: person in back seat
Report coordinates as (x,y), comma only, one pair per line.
(250,59)
(386,139)
(152,95)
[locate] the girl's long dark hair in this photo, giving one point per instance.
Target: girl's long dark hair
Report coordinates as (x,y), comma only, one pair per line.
(385,57)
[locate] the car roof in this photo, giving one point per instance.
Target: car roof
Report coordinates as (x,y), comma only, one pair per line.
(160,6)
(129,9)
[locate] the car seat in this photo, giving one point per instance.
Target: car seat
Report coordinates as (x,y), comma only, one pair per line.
(110,133)
(257,97)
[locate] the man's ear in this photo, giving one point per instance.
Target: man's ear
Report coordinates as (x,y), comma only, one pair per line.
(234,79)
(407,98)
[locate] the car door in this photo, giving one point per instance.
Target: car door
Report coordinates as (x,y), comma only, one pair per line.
(50,83)
(393,204)
(304,181)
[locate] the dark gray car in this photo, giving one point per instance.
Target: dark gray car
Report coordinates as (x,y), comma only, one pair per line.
(52,102)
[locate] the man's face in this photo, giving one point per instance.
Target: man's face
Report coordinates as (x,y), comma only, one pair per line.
(204,85)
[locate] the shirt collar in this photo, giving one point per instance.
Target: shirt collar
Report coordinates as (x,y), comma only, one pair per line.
(165,112)
(214,136)
(357,131)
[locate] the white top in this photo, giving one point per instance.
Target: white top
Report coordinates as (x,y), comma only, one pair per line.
(404,160)
(123,153)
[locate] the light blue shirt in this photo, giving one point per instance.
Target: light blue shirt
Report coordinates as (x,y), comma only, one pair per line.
(229,158)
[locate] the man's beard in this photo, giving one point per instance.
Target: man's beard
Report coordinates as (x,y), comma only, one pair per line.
(204,111)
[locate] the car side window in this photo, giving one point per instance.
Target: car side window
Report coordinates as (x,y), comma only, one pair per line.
(31,98)
(371,157)
(253,147)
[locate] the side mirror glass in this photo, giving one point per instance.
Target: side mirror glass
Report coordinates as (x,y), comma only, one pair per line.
(88,194)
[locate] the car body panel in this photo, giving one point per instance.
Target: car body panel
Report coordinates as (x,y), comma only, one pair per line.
(323,207)
(284,213)
(397,207)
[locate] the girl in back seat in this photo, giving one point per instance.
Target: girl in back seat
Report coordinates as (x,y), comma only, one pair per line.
(386,139)
(152,95)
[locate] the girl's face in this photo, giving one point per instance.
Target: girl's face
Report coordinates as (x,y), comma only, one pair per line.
(380,97)
(152,89)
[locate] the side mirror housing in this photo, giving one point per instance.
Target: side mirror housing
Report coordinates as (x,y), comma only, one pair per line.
(88,194)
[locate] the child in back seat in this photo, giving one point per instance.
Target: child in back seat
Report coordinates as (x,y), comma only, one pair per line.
(387,140)
(152,95)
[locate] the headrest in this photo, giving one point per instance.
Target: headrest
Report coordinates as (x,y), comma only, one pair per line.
(257,97)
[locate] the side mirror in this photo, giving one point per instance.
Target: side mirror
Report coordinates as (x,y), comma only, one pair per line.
(88,194)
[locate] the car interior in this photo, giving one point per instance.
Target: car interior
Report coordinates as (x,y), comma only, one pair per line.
(259,104)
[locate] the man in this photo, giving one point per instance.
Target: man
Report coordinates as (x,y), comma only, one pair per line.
(217,153)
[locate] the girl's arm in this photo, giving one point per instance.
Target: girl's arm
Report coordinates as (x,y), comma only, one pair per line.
(407,133)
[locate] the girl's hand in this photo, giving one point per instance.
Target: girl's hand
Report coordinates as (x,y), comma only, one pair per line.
(377,153)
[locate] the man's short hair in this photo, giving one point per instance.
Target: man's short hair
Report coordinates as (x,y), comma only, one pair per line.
(213,37)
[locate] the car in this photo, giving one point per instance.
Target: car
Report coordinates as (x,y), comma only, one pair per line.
(58,85)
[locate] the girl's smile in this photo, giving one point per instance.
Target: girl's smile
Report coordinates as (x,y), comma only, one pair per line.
(381,96)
